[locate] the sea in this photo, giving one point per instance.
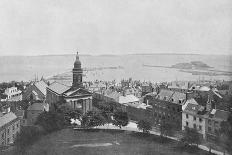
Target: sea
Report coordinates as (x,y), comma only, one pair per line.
(102,67)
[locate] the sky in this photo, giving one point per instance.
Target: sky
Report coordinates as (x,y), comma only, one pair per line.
(95,27)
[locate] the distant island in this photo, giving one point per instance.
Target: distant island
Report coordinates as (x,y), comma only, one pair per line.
(192,65)
(195,68)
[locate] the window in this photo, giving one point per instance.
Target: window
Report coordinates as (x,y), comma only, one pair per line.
(13,127)
(209,129)
(216,123)
(8,131)
(194,126)
(200,119)
(194,118)
(187,116)
(187,124)
(200,127)
(2,135)
(17,125)
(209,121)
(8,140)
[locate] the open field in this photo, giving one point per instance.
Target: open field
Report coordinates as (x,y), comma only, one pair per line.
(108,142)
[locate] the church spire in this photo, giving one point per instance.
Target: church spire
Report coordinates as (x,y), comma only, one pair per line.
(77,73)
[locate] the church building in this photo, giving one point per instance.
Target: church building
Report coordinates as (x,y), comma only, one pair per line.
(75,96)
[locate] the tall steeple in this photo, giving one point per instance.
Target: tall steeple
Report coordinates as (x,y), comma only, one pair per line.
(77,73)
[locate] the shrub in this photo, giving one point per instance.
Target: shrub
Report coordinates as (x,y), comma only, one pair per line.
(144,125)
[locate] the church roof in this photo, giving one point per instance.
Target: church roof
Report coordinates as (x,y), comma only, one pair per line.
(41,85)
(76,92)
(58,88)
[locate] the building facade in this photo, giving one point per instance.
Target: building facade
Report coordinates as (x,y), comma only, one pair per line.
(35,91)
(13,94)
(167,107)
(9,128)
(194,116)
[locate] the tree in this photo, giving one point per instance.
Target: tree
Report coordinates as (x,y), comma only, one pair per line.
(166,129)
(51,121)
(120,119)
(92,119)
(191,136)
(69,113)
(27,136)
(144,125)
(226,132)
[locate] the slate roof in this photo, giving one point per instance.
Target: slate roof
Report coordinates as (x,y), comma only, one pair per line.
(77,92)
(219,114)
(128,99)
(41,85)
(176,96)
(164,94)
(58,88)
(171,96)
(7,118)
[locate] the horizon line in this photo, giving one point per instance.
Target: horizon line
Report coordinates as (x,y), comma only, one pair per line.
(229,54)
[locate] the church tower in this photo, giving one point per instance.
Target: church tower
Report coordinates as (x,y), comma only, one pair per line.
(77,73)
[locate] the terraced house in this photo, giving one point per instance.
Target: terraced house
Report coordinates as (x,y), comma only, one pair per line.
(167,107)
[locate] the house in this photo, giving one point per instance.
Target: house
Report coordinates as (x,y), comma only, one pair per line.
(167,107)
(75,96)
(213,123)
(9,128)
(146,88)
(34,110)
(194,116)
(13,94)
(35,91)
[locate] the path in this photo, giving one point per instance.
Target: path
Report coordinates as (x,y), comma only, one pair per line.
(132,126)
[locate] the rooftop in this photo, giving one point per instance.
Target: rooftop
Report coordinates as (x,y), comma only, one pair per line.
(41,85)
(58,87)
(4,119)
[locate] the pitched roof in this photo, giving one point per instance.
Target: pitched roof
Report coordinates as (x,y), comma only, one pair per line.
(128,99)
(164,94)
(7,118)
(39,107)
(178,96)
(41,85)
(192,108)
(219,114)
(77,92)
(58,87)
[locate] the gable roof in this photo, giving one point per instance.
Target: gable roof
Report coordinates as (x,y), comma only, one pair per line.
(58,88)
(41,85)
(76,92)
(219,114)
(164,94)
(7,118)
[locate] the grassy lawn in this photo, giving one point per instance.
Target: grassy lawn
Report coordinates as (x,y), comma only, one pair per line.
(102,142)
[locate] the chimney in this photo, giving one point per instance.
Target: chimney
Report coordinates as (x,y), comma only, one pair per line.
(189,95)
